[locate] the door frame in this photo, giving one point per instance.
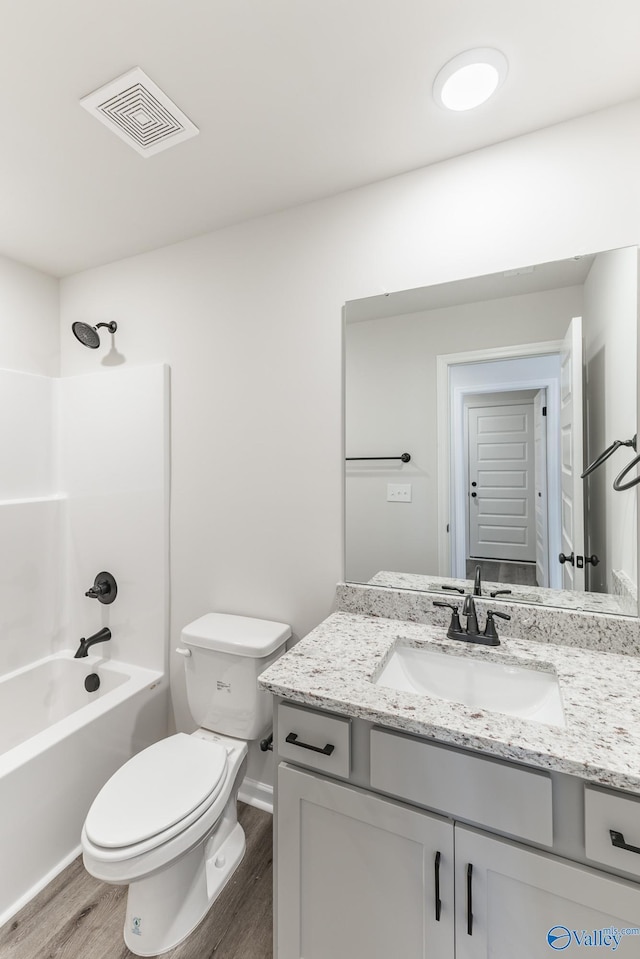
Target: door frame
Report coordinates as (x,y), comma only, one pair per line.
(451,545)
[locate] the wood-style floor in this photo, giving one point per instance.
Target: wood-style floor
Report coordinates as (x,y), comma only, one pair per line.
(79,917)
(497,571)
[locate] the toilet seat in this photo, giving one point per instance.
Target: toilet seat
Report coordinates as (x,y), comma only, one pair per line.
(156,795)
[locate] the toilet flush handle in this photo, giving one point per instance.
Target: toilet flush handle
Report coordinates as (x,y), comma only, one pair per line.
(183,652)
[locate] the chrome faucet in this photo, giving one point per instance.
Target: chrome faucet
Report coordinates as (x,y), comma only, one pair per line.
(100,637)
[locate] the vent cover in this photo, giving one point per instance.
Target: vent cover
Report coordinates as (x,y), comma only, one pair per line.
(137,111)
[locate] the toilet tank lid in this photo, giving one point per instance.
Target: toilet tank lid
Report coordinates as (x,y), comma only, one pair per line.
(240,635)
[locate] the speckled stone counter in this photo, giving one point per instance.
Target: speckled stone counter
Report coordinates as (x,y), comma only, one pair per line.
(333,668)
(542,624)
(619,603)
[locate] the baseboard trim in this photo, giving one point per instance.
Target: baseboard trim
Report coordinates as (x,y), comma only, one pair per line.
(257,794)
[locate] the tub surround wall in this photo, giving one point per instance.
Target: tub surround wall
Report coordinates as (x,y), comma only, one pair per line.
(103,440)
(32,520)
(114,449)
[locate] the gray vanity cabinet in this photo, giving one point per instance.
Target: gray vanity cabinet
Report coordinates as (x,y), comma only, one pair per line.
(359,876)
(515,901)
(365,869)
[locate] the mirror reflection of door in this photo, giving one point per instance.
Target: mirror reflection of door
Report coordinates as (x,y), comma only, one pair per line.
(501,489)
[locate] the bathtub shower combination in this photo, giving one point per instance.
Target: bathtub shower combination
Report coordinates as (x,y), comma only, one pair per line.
(60,743)
(73,499)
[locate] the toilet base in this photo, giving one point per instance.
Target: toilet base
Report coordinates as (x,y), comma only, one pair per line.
(164,908)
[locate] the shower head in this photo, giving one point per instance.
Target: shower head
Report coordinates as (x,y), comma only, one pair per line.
(88,335)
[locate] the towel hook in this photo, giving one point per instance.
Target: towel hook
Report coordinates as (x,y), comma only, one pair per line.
(607,453)
(618,485)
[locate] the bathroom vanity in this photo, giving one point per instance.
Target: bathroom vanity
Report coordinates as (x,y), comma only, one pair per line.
(412,825)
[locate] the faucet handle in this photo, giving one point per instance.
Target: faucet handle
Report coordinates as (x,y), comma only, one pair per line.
(104,589)
(455,625)
(490,631)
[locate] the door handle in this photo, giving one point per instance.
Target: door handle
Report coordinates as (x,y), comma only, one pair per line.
(566,559)
(474,495)
(469,899)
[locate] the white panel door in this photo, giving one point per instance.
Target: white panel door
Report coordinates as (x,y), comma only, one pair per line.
(571,457)
(540,487)
(358,876)
(514,903)
(501,487)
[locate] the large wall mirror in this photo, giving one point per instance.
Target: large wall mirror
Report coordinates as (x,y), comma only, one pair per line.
(472,411)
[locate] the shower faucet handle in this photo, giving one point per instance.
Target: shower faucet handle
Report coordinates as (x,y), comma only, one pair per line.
(104,589)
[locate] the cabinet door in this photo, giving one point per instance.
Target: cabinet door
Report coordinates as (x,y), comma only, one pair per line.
(517,902)
(358,877)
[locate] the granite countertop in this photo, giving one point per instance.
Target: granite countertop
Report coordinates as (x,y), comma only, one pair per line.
(333,666)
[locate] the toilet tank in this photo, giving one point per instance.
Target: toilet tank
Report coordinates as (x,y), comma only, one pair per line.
(227,654)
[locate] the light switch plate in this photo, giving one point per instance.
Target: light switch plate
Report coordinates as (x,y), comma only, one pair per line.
(398,492)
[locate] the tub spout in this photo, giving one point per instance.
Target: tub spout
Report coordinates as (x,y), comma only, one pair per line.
(100,637)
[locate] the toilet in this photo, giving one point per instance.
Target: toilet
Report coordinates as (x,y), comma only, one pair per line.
(166,822)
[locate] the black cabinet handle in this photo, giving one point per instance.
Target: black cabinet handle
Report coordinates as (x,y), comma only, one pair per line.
(437,878)
(617,839)
(325,750)
(469,900)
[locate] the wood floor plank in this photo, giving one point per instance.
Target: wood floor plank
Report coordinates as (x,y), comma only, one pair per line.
(79,917)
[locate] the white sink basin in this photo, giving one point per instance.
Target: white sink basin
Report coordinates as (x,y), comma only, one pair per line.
(515,690)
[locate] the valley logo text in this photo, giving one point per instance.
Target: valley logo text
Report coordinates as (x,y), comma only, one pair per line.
(559,937)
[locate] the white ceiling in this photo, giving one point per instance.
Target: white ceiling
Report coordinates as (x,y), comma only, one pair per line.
(295,100)
(534,278)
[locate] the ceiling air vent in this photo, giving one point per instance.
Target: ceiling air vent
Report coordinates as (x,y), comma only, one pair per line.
(137,110)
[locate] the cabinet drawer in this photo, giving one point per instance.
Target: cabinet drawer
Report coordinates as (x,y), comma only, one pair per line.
(605,811)
(314,739)
(480,790)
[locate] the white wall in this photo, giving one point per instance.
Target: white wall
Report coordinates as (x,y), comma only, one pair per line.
(249,318)
(610,325)
(390,408)
(29,319)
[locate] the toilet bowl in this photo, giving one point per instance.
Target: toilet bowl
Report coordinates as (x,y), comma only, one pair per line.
(166,822)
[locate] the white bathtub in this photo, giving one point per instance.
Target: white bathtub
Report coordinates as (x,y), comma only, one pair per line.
(58,745)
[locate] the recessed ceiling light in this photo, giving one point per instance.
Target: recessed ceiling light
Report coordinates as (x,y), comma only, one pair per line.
(470,78)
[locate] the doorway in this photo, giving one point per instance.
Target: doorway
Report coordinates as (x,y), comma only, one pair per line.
(501,432)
